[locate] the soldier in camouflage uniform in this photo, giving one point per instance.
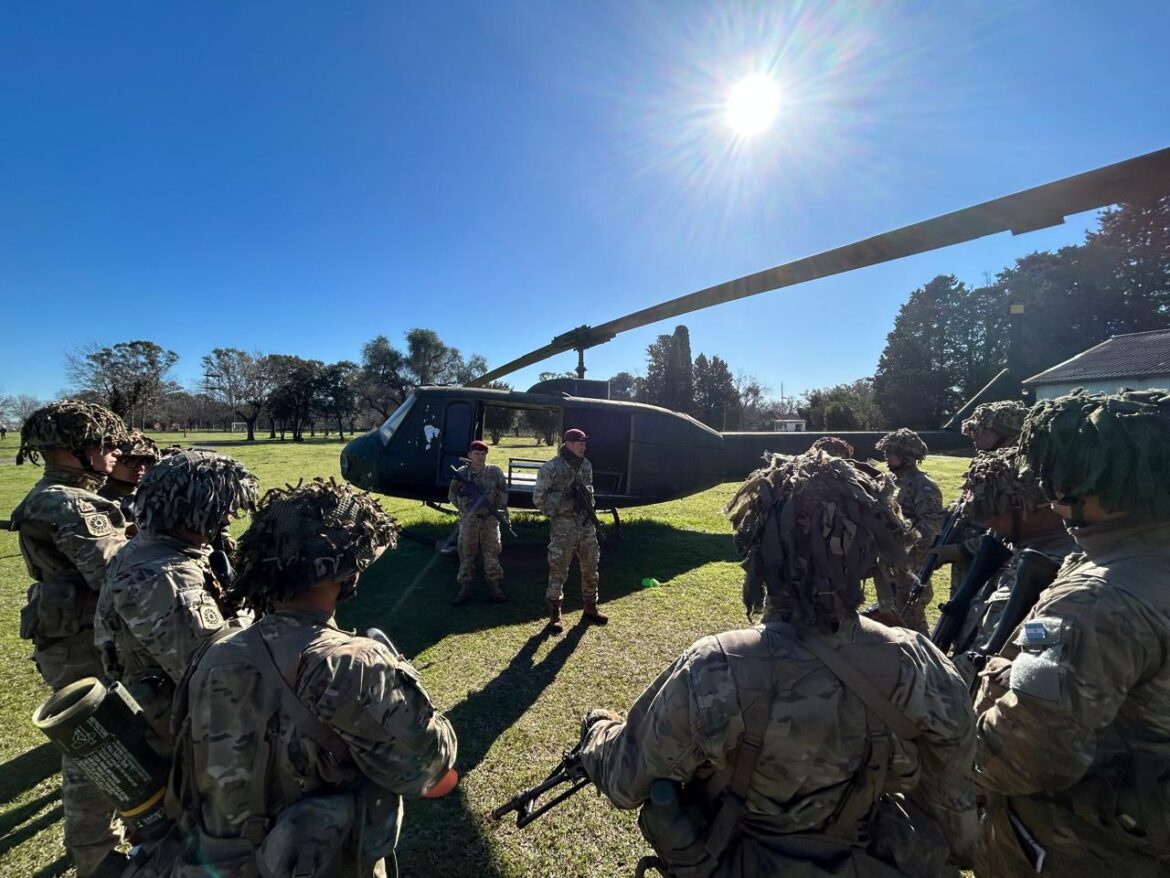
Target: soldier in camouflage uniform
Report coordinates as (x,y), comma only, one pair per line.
(161,599)
(297,740)
(1073,737)
(478,528)
(818,742)
(564,492)
(921,503)
(139,453)
(68,535)
(1000,496)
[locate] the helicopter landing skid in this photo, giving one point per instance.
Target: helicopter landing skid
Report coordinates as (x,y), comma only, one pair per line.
(617,522)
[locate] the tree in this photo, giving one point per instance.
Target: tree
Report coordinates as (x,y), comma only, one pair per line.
(336,396)
(716,398)
(831,408)
(499,419)
(751,396)
(291,402)
(24,405)
(1137,239)
(240,381)
(542,423)
(625,386)
(126,378)
(382,383)
(669,378)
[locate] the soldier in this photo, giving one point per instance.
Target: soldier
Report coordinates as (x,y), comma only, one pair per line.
(478,528)
(1073,737)
(834,445)
(999,496)
(68,534)
(139,453)
(161,599)
(818,742)
(297,740)
(564,492)
(921,503)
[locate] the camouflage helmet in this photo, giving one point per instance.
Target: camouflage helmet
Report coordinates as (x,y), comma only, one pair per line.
(138,444)
(304,535)
(193,490)
(995,485)
(834,445)
(1115,447)
(810,528)
(1005,418)
(71,425)
(903,442)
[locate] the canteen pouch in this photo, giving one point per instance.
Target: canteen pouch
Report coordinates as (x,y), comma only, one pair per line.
(55,609)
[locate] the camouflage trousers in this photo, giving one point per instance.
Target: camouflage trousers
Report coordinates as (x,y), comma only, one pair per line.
(893,594)
(479,533)
(572,535)
(89,815)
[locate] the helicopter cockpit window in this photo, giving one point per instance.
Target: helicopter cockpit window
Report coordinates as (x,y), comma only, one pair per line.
(386,431)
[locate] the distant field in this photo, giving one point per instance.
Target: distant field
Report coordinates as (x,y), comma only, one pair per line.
(514,696)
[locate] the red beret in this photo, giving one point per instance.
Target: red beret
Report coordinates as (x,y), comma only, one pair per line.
(575,435)
(478,446)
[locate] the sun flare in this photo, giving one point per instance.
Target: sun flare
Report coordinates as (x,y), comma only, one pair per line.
(753,105)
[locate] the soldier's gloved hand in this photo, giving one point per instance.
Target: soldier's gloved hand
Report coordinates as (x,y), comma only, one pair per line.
(948,554)
(993,683)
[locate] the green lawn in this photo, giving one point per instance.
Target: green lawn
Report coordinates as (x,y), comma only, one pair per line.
(514,696)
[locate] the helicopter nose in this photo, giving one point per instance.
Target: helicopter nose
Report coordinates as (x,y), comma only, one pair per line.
(357,460)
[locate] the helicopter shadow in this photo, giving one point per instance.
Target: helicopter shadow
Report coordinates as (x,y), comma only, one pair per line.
(409,592)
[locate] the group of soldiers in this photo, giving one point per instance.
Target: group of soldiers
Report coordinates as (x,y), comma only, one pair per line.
(817,742)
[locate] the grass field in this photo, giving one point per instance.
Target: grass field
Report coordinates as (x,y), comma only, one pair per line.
(514,695)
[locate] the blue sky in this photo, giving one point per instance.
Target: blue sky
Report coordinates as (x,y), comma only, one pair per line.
(299,177)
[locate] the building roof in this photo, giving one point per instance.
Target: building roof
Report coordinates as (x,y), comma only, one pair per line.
(1121,356)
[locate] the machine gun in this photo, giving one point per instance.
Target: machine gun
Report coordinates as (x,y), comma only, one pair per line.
(988,561)
(949,528)
(481,500)
(526,803)
(583,502)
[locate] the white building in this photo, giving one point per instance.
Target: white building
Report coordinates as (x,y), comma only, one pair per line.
(1137,360)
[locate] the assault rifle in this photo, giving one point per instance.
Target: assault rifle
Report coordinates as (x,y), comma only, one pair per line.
(583,502)
(944,537)
(481,500)
(988,561)
(525,802)
(1034,574)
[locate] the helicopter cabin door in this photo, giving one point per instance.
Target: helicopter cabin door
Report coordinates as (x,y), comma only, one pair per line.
(458,427)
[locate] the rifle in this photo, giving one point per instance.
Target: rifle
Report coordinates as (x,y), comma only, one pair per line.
(481,500)
(931,563)
(583,502)
(524,803)
(1034,574)
(992,555)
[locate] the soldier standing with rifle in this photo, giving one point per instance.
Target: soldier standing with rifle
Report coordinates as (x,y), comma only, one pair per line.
(480,492)
(564,492)
(1073,744)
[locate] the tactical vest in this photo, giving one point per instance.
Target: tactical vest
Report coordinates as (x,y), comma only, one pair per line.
(716,808)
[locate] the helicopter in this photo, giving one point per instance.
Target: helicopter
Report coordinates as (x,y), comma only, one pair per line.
(643,454)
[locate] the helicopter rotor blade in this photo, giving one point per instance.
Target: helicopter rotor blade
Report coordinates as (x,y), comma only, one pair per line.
(1138,179)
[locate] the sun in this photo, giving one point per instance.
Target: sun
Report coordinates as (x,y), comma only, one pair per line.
(753,105)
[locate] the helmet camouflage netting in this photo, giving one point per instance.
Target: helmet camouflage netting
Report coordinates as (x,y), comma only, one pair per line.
(138,444)
(995,485)
(810,528)
(307,534)
(903,442)
(1006,418)
(834,445)
(194,490)
(1112,446)
(72,425)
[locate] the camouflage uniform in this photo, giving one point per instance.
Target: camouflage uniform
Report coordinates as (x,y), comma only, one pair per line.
(282,774)
(479,530)
(839,786)
(921,503)
(1076,715)
(158,604)
(137,445)
(68,535)
(570,529)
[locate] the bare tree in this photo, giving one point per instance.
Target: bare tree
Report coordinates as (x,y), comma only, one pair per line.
(127,377)
(240,381)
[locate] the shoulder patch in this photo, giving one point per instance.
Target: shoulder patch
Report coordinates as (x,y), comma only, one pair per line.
(97,524)
(211,617)
(1040,670)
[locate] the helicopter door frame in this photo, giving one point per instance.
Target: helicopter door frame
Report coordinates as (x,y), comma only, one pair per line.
(450,453)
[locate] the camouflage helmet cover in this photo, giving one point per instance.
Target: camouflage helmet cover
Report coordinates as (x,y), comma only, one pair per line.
(138,444)
(71,425)
(194,490)
(1115,447)
(1005,418)
(304,535)
(903,442)
(995,485)
(834,445)
(810,528)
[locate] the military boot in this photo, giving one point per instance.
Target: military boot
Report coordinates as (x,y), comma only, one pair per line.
(555,625)
(464,594)
(496,593)
(589,611)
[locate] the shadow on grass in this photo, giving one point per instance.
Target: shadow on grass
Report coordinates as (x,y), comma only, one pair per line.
(16,831)
(409,592)
(27,770)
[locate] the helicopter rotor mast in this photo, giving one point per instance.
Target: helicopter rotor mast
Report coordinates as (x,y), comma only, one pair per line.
(1138,179)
